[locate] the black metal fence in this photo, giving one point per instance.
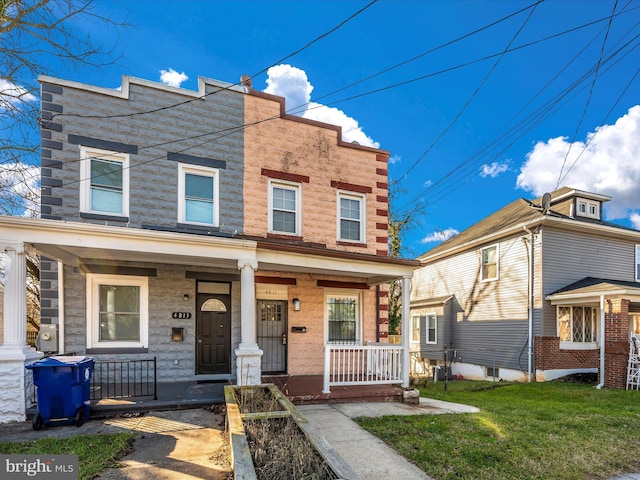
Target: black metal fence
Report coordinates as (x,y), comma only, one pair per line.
(124,379)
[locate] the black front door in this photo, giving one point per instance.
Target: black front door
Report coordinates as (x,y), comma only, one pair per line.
(272,335)
(213,334)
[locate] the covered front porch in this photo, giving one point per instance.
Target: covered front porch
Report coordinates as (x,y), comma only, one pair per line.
(80,249)
(618,305)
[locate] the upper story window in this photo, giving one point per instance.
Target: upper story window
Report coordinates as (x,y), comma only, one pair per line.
(117,311)
(489,266)
(104,182)
(343,317)
(588,208)
(198,195)
(577,325)
(284,207)
(351,225)
(637,263)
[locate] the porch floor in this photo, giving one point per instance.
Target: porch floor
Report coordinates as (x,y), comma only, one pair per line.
(300,389)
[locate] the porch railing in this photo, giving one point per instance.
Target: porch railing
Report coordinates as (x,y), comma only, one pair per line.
(124,379)
(362,365)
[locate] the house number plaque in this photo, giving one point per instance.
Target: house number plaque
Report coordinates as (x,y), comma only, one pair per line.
(181,315)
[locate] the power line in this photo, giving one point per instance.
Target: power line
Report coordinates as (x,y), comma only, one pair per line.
(586,106)
(229,87)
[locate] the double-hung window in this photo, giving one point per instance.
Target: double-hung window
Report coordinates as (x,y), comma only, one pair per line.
(198,195)
(351,217)
(343,317)
(489,265)
(284,207)
(415,328)
(577,325)
(117,311)
(432,328)
(104,182)
(637,263)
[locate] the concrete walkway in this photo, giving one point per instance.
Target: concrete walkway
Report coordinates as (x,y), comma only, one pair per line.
(369,456)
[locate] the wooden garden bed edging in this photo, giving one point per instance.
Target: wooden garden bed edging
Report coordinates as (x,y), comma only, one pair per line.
(240,453)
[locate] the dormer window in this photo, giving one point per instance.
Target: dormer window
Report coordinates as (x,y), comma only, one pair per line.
(588,208)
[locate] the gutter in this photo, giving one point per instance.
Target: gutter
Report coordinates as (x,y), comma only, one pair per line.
(530,307)
(601,384)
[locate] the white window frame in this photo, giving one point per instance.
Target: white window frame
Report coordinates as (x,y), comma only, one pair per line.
(344,294)
(588,208)
(637,268)
(483,278)
(571,344)
(297,188)
(429,317)
(415,319)
(93,309)
(183,170)
(362,220)
(86,154)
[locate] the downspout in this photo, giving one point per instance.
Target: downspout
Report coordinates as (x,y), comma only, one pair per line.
(61,341)
(530,308)
(601,384)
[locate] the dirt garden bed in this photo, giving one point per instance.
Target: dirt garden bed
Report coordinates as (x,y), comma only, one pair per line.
(270,440)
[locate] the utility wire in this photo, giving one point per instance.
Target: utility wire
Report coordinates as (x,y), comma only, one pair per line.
(229,87)
(586,106)
(473,95)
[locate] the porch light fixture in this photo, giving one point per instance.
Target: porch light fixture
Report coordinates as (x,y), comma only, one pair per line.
(185,297)
(296,304)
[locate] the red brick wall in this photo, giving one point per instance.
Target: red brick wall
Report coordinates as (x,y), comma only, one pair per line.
(616,343)
(550,357)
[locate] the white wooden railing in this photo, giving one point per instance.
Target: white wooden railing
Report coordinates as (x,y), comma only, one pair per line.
(362,365)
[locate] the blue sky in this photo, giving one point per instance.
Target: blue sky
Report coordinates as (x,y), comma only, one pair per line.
(492,109)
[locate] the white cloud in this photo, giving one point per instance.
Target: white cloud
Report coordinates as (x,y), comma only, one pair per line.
(440,236)
(494,169)
(12,94)
(608,165)
(19,189)
(635,220)
(393,159)
(172,78)
(292,84)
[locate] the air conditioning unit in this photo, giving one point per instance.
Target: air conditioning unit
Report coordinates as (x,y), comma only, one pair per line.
(47,340)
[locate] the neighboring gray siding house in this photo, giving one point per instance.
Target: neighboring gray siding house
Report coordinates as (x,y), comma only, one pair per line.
(532,291)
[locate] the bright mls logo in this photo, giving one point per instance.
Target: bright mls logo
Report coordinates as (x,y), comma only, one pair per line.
(50,467)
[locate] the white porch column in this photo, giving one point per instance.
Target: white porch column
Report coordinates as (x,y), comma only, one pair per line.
(15,395)
(248,353)
(406,329)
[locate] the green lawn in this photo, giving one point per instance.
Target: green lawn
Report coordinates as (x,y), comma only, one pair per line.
(95,452)
(528,431)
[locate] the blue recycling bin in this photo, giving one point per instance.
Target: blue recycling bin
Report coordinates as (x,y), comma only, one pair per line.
(63,390)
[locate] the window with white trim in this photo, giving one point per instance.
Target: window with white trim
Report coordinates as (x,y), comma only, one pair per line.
(432,328)
(489,263)
(343,317)
(284,207)
(117,311)
(198,195)
(577,324)
(588,208)
(415,328)
(637,263)
(351,225)
(104,182)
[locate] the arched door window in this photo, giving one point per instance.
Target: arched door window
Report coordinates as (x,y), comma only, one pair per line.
(214,305)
